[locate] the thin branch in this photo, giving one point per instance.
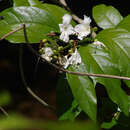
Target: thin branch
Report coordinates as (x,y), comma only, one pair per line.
(4,112)
(65,6)
(12,32)
(79,73)
(67,71)
(22,75)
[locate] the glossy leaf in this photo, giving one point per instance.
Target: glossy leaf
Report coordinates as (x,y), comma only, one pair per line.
(118,43)
(17,3)
(40,19)
(106,16)
(97,60)
(125,23)
(83,91)
(64,97)
(72,112)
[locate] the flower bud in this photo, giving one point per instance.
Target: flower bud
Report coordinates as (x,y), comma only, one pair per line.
(44,40)
(54,51)
(55,57)
(71,41)
(46,44)
(70,51)
(41,51)
(60,48)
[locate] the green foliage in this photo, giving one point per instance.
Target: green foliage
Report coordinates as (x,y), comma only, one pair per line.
(72,113)
(19,122)
(40,19)
(5,98)
(83,91)
(106,16)
(125,23)
(113,58)
(68,108)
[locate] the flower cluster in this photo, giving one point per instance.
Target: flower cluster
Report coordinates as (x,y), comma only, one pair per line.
(47,55)
(66,53)
(74,59)
(81,30)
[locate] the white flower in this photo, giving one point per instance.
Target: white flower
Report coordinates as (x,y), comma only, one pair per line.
(65,62)
(74,59)
(83,29)
(66,28)
(47,54)
(118,109)
(98,43)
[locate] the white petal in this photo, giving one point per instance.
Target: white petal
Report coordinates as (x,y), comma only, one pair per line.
(98,43)
(82,30)
(46,57)
(64,36)
(75,58)
(62,27)
(48,51)
(86,20)
(70,30)
(66,19)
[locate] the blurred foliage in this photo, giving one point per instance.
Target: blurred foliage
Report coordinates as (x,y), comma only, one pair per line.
(19,122)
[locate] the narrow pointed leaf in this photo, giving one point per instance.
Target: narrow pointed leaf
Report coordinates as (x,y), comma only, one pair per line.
(106,16)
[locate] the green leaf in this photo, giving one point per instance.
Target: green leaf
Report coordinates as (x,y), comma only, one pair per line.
(118,43)
(106,16)
(17,3)
(40,19)
(72,113)
(108,125)
(5,98)
(125,23)
(64,97)
(97,60)
(18,122)
(83,91)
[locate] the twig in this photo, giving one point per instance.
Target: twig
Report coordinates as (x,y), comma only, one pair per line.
(79,73)
(22,75)
(70,72)
(75,17)
(5,113)
(10,33)
(21,69)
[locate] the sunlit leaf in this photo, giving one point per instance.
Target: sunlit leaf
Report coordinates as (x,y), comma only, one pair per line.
(97,60)
(83,91)
(106,16)
(125,23)
(40,19)
(118,43)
